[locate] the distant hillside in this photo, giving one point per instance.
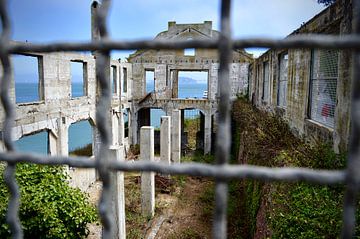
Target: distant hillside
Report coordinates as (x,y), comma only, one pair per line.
(188,80)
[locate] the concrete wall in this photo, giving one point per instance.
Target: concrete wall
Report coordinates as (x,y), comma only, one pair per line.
(334,20)
(166,65)
(57,109)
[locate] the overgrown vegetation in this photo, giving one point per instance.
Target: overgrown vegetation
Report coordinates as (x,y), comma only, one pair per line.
(135,222)
(289,210)
(85,151)
(191,126)
(49,208)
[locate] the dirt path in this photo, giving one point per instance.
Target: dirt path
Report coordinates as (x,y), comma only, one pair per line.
(188,217)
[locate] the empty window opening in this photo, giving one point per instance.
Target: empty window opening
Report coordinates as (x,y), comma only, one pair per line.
(151,117)
(78,79)
(124,77)
(266,85)
(324,75)
(126,117)
(193,84)
(155,121)
(192,131)
(28,77)
(150,81)
(189,51)
(283,79)
(155,116)
(113,78)
(81,138)
(34,143)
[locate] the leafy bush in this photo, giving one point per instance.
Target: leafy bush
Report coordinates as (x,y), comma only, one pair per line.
(49,208)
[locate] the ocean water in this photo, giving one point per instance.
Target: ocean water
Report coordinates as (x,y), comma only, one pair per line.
(185,91)
(80,133)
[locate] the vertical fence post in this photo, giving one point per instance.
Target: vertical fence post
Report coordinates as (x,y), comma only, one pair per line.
(147,178)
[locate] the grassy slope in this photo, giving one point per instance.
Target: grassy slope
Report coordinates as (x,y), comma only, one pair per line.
(289,210)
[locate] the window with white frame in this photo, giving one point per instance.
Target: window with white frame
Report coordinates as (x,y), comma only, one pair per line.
(324,75)
(283,79)
(266,86)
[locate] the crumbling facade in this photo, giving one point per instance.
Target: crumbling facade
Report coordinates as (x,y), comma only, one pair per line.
(56,109)
(309,88)
(166,65)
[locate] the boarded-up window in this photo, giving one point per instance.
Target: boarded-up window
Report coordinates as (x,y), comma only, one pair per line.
(266,88)
(324,75)
(283,78)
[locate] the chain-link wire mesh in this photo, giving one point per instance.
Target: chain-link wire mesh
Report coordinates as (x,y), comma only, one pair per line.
(221,172)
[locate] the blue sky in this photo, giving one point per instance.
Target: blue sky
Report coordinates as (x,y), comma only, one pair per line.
(69,20)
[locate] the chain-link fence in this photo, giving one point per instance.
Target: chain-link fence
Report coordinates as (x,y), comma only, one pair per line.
(221,172)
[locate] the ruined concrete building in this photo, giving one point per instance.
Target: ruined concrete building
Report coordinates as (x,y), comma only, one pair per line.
(166,65)
(309,88)
(56,107)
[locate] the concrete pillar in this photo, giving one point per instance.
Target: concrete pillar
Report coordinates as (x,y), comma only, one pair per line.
(118,194)
(165,139)
(147,178)
(115,125)
(2,146)
(133,131)
(207,133)
(176,136)
(63,137)
(52,144)
(121,127)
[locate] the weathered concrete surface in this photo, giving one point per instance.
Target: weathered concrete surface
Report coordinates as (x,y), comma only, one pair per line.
(334,20)
(147,178)
(56,109)
(166,65)
(118,194)
(165,140)
(176,136)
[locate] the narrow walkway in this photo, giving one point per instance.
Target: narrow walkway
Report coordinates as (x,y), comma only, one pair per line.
(189,216)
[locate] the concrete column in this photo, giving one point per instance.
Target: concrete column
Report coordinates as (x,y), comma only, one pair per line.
(176,136)
(2,146)
(63,137)
(207,134)
(133,131)
(147,178)
(52,144)
(165,140)
(118,194)
(115,126)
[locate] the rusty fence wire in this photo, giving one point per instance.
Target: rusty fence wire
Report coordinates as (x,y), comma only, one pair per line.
(221,171)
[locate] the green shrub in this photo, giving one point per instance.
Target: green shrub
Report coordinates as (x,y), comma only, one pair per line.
(49,208)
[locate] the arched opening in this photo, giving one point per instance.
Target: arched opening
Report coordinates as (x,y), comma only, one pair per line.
(37,142)
(81,138)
